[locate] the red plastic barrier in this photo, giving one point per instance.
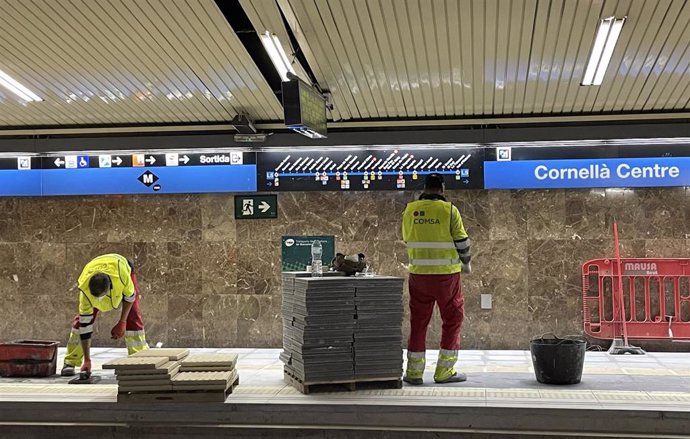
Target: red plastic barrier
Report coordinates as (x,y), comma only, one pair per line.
(656,296)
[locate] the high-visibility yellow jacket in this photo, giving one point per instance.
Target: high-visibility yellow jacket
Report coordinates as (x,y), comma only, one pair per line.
(437,242)
(119,271)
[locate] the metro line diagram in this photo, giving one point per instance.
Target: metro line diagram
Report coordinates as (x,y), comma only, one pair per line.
(363,169)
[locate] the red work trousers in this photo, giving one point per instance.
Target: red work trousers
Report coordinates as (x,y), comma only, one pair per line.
(135,321)
(446,291)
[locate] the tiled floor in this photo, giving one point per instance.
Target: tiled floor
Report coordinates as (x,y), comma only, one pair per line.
(495,379)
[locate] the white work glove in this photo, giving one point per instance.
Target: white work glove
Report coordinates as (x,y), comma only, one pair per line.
(466,268)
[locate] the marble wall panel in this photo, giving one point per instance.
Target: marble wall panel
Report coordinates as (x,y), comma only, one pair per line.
(546,266)
(258,267)
(46,270)
(185,320)
(16,314)
(39,317)
(220,317)
(209,280)
(508,215)
(475,210)
(10,220)
(217,217)
(154,307)
(165,218)
(667,248)
(625,207)
(259,320)
(663,213)
(311,213)
(545,214)
(476,332)
(169,267)
(43,219)
(86,219)
(15,258)
(586,214)
(218,265)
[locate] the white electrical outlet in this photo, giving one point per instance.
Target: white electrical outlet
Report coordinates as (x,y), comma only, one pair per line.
(485,301)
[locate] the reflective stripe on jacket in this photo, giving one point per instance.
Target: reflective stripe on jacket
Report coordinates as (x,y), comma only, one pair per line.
(434,233)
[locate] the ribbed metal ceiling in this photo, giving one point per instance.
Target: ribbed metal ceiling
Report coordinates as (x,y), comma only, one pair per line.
(127,62)
(448,58)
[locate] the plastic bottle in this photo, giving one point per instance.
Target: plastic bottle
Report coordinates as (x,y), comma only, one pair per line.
(316,252)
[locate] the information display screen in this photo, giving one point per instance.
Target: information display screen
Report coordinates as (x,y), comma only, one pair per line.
(369,169)
(304,109)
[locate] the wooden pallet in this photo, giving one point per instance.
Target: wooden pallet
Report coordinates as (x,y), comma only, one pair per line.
(334,386)
(178,396)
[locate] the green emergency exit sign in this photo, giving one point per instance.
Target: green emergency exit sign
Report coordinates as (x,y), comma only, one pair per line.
(256,206)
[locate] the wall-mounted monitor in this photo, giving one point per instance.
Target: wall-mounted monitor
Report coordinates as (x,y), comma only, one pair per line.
(304,109)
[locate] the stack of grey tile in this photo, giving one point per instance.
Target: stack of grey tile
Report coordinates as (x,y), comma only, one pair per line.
(318,327)
(378,327)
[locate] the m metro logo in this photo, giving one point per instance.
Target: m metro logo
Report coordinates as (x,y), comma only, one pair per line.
(148,178)
(421,218)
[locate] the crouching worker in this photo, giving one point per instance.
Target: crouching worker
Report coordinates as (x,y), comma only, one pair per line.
(105,283)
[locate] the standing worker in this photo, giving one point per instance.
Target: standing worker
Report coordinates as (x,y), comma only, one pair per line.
(104,283)
(438,249)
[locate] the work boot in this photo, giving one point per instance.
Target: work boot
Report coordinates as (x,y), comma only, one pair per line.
(413,381)
(457,377)
(415,368)
(67,371)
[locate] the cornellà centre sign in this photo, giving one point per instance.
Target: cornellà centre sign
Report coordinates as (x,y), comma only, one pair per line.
(587,173)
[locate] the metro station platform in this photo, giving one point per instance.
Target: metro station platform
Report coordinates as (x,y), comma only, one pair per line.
(619,396)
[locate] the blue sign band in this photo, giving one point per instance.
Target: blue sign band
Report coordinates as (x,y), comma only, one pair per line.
(110,181)
(24,183)
(589,173)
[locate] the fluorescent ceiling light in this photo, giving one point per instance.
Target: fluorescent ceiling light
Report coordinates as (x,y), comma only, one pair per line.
(277,54)
(605,42)
(15,87)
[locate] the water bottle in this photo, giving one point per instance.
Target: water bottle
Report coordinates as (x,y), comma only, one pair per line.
(316,251)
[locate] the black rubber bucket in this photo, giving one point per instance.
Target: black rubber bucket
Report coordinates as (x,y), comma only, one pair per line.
(558,360)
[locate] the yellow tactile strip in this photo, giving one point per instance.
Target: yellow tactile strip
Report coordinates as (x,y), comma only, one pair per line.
(588,370)
(211,360)
(135,363)
(466,394)
(56,389)
(170,353)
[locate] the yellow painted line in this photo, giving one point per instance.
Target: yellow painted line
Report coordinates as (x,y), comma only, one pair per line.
(583,395)
(682,372)
(669,396)
(256,390)
(621,396)
(288,391)
(41,389)
(473,393)
(512,394)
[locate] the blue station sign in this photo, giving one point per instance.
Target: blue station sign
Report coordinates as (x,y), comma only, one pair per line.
(587,173)
(111,174)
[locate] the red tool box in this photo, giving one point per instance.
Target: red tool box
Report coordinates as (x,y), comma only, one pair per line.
(28,358)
